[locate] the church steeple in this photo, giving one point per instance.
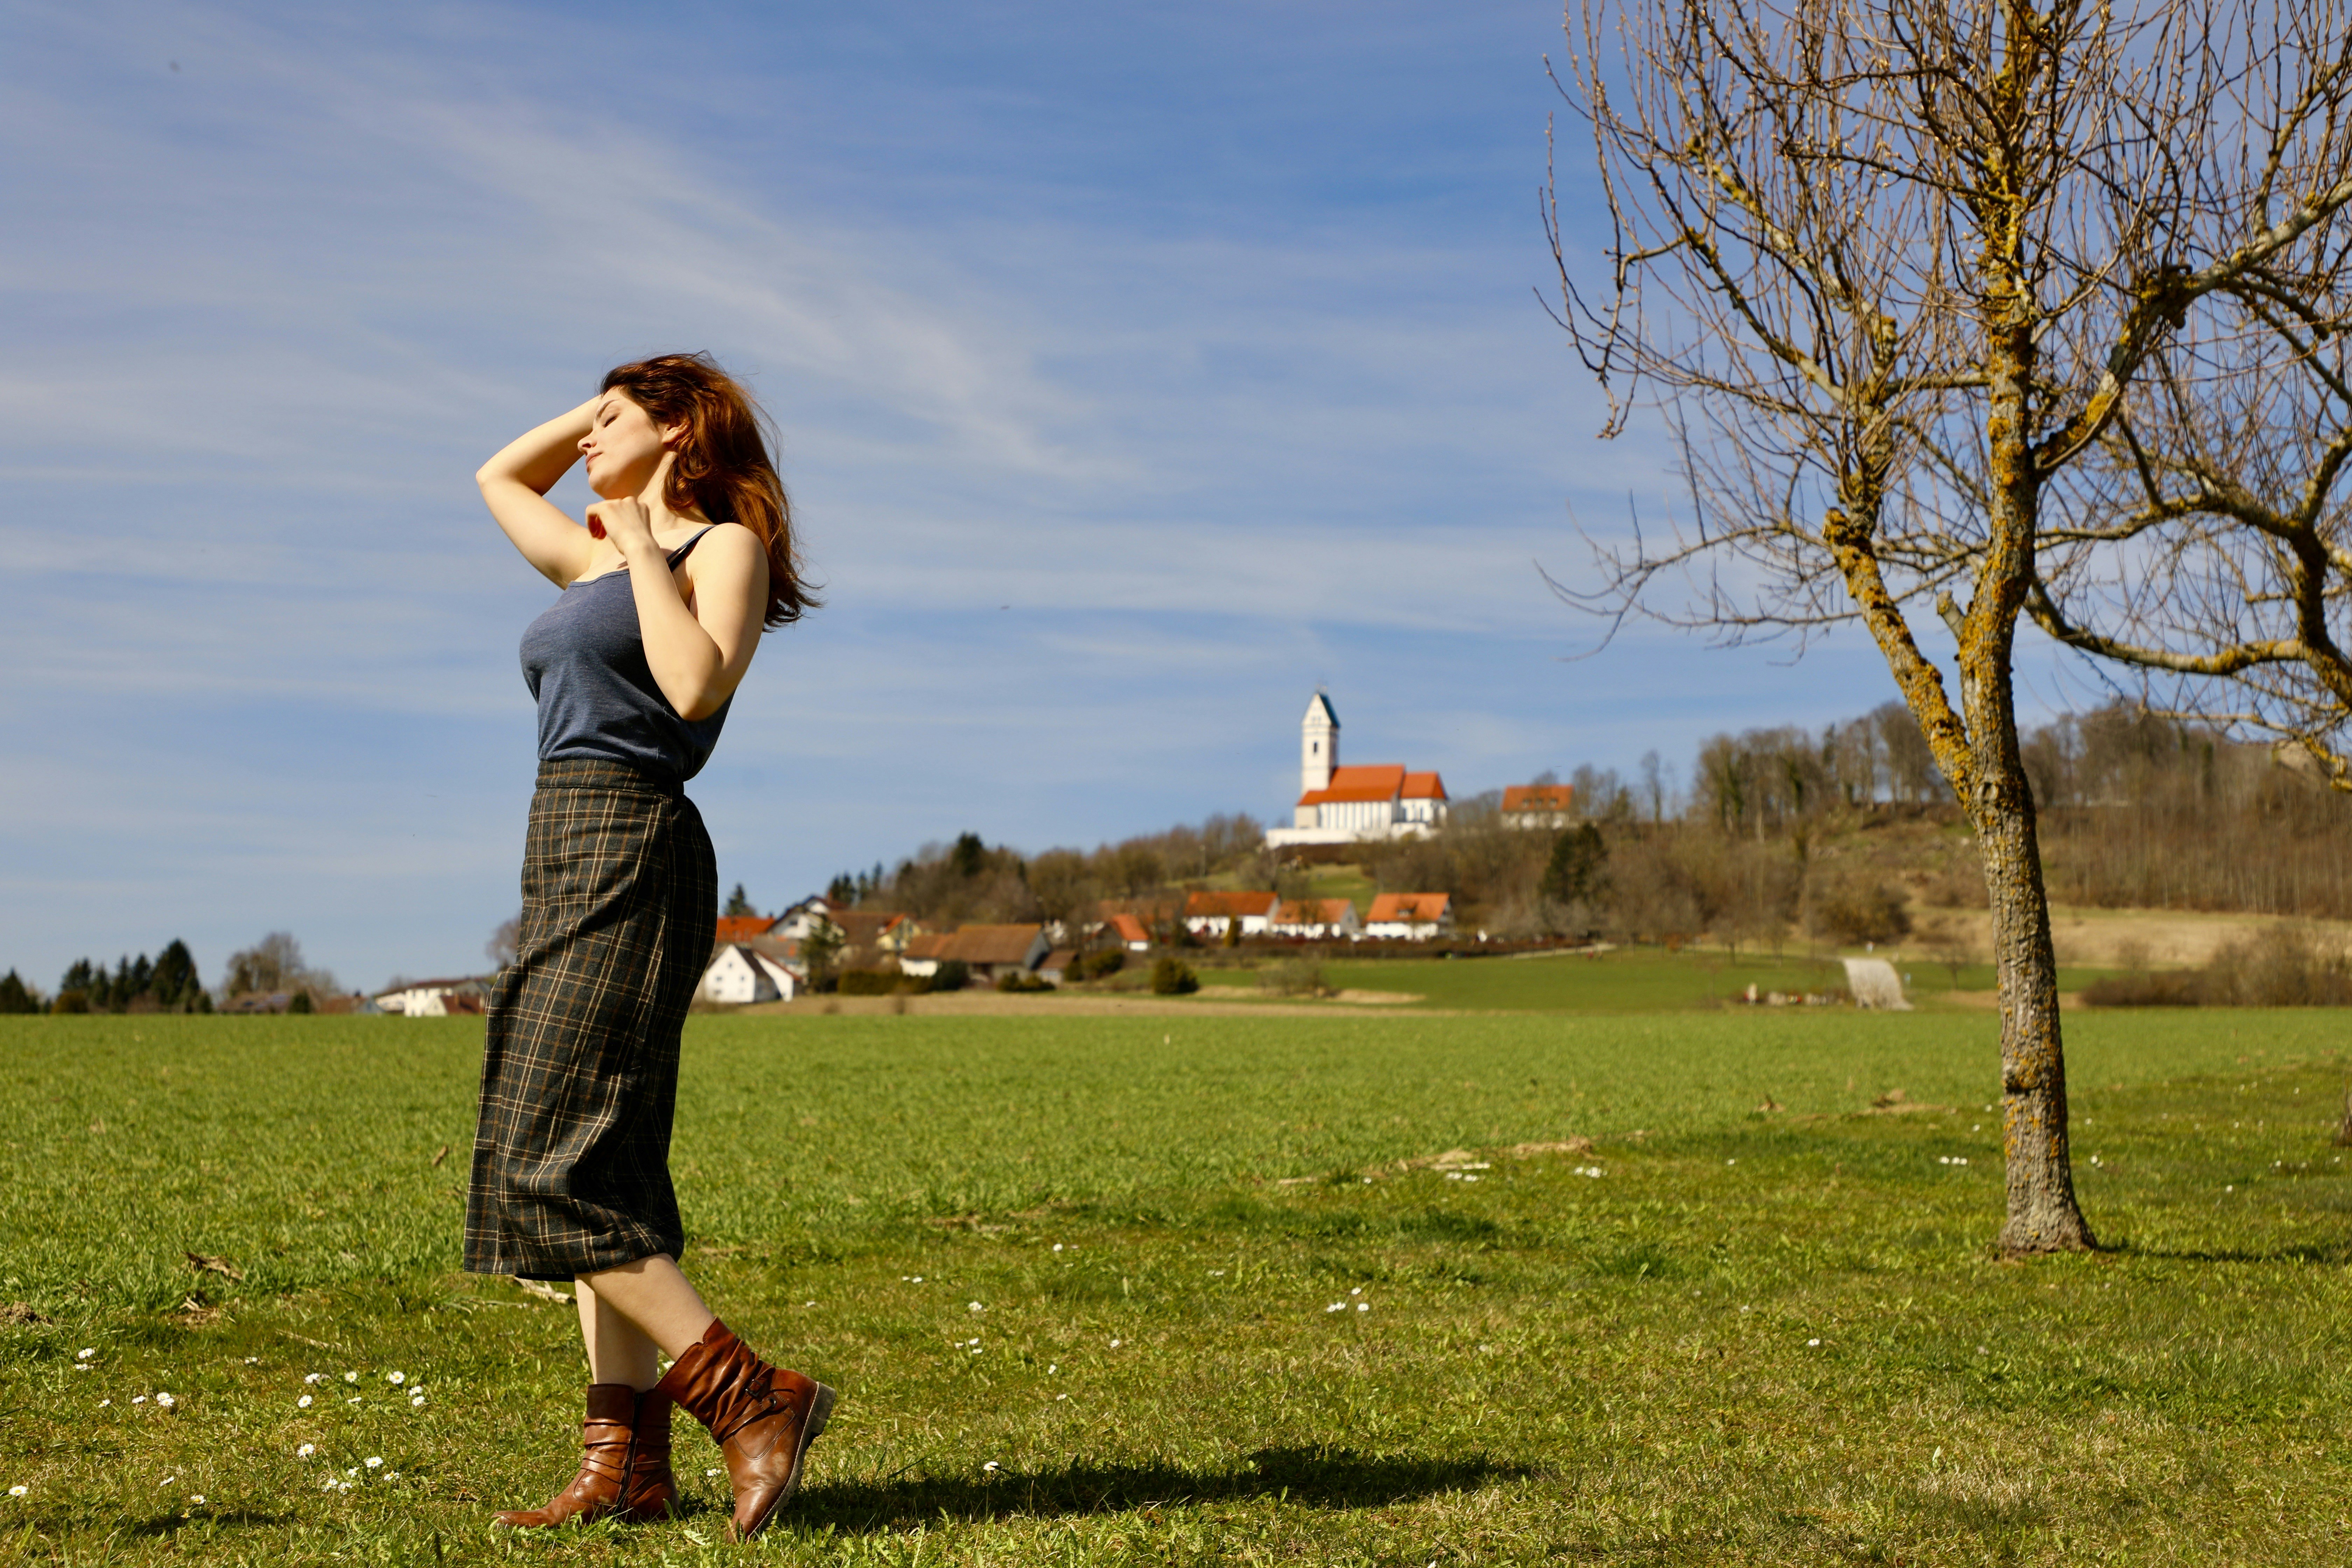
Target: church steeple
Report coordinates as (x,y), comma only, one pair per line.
(1319,745)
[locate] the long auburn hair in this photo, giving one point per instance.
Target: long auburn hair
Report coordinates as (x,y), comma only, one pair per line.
(722,468)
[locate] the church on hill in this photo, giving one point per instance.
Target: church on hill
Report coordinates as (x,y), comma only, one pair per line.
(1350,804)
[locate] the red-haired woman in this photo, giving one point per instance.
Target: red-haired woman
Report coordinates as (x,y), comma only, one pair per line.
(666,591)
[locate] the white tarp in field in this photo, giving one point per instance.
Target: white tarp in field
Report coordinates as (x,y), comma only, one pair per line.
(1874,984)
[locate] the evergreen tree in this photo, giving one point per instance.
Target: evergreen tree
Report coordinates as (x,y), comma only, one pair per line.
(1578,870)
(737,904)
(969,855)
(174,982)
(13,997)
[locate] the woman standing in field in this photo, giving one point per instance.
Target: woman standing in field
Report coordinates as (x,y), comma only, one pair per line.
(666,591)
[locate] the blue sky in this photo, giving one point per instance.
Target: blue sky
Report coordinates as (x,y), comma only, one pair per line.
(1139,367)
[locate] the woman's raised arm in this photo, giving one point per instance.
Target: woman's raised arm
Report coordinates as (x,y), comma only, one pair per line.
(514,485)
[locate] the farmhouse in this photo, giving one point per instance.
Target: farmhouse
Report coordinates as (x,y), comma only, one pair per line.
(740,973)
(1353,804)
(985,952)
(1130,931)
(1317,919)
(1410,917)
(1208,914)
(1539,805)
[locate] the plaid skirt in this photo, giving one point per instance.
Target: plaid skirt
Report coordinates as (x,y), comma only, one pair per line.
(580,1076)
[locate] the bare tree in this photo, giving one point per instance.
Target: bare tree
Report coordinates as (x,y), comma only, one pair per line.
(1890,269)
(506,941)
(275,963)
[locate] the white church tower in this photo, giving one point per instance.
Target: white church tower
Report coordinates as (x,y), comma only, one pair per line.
(1318,750)
(1355,805)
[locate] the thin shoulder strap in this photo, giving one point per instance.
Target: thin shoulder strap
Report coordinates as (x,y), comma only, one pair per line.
(683,551)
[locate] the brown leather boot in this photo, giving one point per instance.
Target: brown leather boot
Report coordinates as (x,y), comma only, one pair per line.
(762,1417)
(605,1463)
(652,1491)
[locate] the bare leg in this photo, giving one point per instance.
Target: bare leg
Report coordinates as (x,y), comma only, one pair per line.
(626,1312)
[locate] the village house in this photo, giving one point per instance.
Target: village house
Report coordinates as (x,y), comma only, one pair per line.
(1208,914)
(795,923)
(871,937)
(740,973)
(1317,919)
(435,998)
(986,951)
(1410,917)
(1354,804)
(1540,805)
(744,928)
(1130,931)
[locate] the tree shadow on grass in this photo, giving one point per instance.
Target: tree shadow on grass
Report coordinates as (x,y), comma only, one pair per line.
(1307,1478)
(2334,1253)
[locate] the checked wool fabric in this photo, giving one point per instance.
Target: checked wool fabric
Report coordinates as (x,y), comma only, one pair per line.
(580,1076)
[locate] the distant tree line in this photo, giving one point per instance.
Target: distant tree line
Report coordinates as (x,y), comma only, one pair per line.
(170,982)
(1783,833)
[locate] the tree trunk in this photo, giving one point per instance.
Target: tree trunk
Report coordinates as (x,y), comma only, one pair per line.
(2043,1213)
(2043,1216)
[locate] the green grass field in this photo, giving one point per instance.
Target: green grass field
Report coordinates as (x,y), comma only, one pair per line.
(1753,1337)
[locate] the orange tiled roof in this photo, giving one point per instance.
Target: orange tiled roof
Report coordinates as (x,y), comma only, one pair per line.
(1418,908)
(741,928)
(1312,911)
(1227,905)
(1129,929)
(1424,786)
(1539,797)
(1379,781)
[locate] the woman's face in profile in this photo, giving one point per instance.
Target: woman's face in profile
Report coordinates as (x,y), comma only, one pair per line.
(623,447)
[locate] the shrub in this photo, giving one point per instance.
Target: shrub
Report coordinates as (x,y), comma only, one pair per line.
(1862,912)
(1171,977)
(1096,965)
(2284,966)
(1013,981)
(2140,988)
(953,975)
(71,1002)
(866,981)
(1292,977)
(300,1003)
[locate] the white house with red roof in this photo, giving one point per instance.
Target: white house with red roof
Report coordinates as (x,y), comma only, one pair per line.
(1410,917)
(1350,804)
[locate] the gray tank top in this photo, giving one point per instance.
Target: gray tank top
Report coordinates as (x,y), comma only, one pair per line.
(584,661)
